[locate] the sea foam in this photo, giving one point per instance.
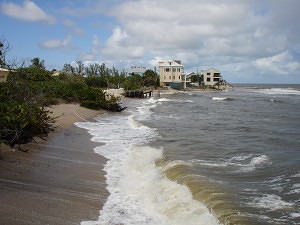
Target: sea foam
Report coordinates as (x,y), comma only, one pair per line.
(140,193)
(279,91)
(271,202)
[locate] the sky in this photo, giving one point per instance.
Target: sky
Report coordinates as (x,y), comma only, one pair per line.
(249,41)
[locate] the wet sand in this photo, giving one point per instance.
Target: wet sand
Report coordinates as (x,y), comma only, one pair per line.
(59,181)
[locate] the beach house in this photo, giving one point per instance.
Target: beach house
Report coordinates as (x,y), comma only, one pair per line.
(170,73)
(3,74)
(211,77)
(140,70)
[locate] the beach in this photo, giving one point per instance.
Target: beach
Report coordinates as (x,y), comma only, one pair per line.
(58,181)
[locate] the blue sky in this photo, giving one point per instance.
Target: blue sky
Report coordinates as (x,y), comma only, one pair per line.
(249,41)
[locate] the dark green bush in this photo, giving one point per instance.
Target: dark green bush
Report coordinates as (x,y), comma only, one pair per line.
(96,81)
(22,115)
(34,73)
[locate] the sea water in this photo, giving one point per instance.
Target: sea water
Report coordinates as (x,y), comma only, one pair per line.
(199,157)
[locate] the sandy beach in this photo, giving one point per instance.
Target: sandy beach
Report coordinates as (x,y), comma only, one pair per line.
(57,182)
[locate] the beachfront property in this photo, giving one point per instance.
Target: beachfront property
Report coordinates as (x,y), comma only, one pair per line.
(171,73)
(3,74)
(211,77)
(139,70)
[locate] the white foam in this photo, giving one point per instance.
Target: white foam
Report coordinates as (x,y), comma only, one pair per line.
(295,189)
(238,163)
(279,91)
(295,214)
(270,202)
(174,100)
(259,161)
(219,98)
(140,193)
(296,175)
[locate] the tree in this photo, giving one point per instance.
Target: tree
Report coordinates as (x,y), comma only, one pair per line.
(1,60)
(92,70)
(79,68)
(117,78)
(68,68)
(150,78)
(4,49)
(133,82)
(36,62)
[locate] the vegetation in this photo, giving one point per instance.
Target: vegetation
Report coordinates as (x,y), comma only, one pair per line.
(22,114)
(29,89)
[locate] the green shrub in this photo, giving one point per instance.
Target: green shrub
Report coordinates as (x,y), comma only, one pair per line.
(96,81)
(34,73)
(22,115)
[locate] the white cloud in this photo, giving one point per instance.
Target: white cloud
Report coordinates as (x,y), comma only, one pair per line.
(29,11)
(64,45)
(246,37)
(117,37)
(74,28)
(282,63)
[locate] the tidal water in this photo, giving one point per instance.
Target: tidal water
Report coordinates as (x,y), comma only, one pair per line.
(199,157)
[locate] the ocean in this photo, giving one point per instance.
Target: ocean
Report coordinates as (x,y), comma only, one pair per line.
(203,157)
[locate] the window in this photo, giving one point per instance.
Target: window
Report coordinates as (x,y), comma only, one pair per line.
(174,70)
(164,77)
(179,77)
(208,79)
(208,74)
(174,77)
(167,69)
(170,77)
(178,69)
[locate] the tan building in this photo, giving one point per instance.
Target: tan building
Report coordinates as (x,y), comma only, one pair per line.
(3,74)
(211,77)
(170,72)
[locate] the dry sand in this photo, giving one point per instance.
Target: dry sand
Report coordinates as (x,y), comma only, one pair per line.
(59,181)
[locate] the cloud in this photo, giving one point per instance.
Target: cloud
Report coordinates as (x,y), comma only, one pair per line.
(202,33)
(242,38)
(29,11)
(74,28)
(282,63)
(64,45)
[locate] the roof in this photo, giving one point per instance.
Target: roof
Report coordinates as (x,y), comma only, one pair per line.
(169,63)
(213,69)
(4,70)
(137,70)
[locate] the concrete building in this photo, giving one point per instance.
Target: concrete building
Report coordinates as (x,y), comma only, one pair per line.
(170,73)
(211,77)
(3,74)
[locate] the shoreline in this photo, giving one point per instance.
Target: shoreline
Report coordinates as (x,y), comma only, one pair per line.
(58,181)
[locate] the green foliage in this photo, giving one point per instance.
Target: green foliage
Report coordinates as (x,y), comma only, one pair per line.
(22,115)
(96,81)
(150,78)
(1,55)
(34,73)
(133,82)
(24,95)
(4,49)
(96,98)
(37,63)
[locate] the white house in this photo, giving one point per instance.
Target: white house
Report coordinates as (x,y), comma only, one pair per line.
(170,72)
(3,74)
(211,76)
